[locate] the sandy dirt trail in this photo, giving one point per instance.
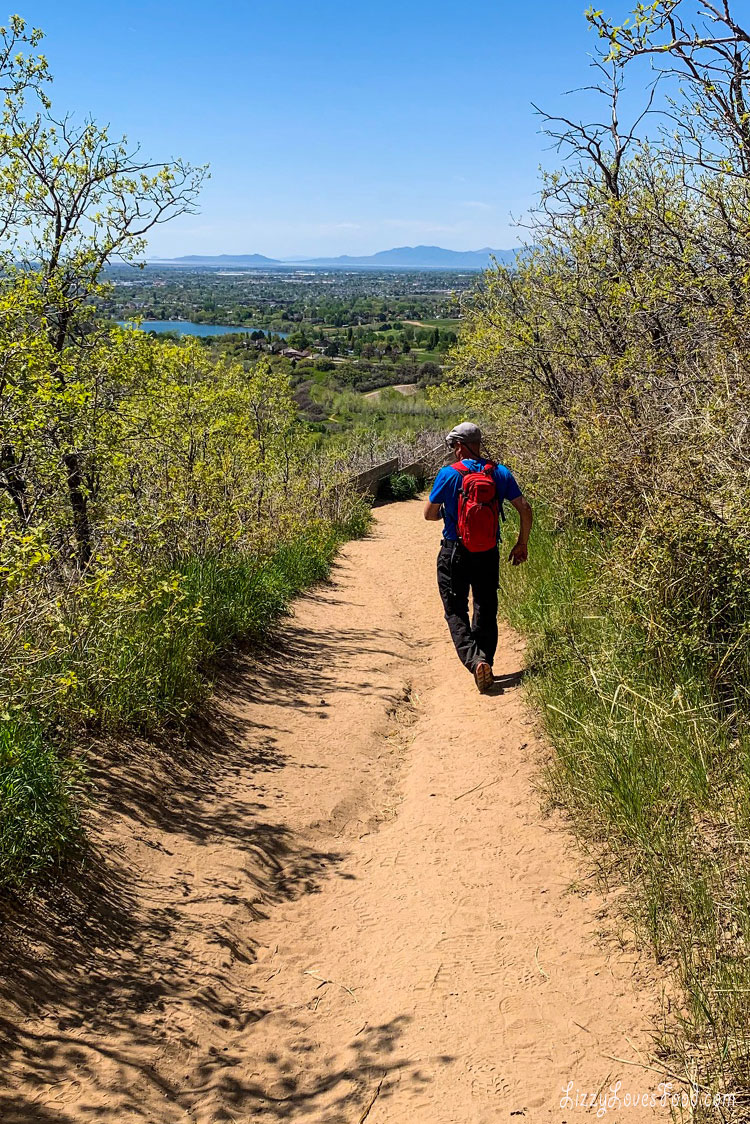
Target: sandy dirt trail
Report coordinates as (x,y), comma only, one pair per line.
(339,903)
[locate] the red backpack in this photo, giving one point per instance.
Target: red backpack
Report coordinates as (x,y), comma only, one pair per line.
(478,508)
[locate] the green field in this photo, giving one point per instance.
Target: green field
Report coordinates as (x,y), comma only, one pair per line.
(446,325)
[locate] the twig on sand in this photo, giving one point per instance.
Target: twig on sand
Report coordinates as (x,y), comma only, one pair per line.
(476,788)
(539,966)
(598,1091)
(659,1069)
(633,1046)
(323,980)
(373,1098)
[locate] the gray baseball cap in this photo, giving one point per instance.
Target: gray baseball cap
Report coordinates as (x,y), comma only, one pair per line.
(467,432)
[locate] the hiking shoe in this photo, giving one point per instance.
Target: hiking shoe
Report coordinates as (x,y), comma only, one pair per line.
(483,676)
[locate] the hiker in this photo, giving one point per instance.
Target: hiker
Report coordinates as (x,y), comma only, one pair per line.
(468,496)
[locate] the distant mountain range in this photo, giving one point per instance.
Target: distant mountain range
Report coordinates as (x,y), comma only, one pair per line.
(401,257)
(421,257)
(218,259)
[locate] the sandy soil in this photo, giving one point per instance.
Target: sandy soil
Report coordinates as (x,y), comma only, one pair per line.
(338,902)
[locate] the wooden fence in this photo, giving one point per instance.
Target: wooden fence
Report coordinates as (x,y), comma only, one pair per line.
(371,481)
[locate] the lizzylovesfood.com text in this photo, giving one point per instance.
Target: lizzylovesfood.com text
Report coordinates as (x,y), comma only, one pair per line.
(665,1096)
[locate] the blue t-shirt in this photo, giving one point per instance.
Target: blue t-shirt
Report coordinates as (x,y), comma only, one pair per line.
(447,488)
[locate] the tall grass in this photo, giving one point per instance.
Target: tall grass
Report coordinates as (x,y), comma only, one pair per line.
(654,769)
(38,793)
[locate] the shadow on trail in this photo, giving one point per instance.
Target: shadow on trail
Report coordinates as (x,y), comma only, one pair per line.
(16,1110)
(298,1084)
(506,682)
(97,972)
(306,666)
(99,965)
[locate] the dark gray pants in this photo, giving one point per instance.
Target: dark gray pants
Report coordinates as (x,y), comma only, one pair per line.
(458,571)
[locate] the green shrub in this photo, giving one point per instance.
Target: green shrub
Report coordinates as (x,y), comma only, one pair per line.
(403,486)
(688,582)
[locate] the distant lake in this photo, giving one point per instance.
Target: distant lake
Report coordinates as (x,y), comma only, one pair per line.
(188,328)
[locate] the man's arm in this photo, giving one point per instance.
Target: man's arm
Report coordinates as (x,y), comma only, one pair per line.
(433,507)
(520,552)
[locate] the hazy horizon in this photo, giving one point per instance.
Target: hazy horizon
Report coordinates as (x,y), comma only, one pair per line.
(294,258)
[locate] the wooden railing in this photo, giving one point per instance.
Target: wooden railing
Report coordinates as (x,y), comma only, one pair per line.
(370,481)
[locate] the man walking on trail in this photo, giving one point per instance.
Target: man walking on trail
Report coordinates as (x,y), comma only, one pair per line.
(468,496)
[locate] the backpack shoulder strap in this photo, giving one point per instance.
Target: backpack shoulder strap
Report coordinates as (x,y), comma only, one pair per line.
(489,468)
(460,467)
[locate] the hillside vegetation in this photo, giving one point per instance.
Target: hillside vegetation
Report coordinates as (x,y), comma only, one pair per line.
(157,499)
(614,363)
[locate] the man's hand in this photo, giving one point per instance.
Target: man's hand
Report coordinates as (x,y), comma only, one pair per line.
(519,554)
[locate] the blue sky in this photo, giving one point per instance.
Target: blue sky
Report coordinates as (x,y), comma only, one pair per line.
(330,127)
